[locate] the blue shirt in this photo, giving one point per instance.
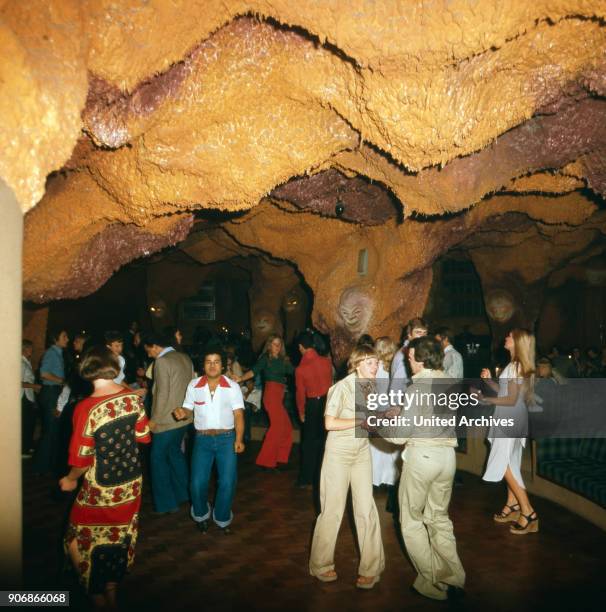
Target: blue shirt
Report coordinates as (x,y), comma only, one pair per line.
(52,363)
(166,349)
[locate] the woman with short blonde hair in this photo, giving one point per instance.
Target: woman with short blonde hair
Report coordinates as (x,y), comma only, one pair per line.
(516,393)
(347,464)
(358,355)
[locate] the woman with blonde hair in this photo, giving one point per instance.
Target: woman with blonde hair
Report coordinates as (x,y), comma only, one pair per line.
(347,463)
(384,454)
(274,366)
(516,393)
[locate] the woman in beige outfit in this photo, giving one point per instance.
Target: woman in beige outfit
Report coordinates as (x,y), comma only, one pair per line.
(347,463)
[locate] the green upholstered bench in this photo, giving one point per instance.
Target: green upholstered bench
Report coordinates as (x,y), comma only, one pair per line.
(576,464)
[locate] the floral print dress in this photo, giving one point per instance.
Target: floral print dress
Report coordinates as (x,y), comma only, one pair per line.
(104,517)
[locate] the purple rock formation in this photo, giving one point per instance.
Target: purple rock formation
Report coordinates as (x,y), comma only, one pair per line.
(361,201)
(105,253)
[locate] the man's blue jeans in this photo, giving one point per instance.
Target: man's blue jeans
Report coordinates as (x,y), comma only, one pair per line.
(47,454)
(207,450)
(169,470)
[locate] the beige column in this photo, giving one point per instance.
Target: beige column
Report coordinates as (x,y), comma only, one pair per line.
(11,239)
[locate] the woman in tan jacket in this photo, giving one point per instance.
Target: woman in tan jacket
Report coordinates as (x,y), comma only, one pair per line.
(347,463)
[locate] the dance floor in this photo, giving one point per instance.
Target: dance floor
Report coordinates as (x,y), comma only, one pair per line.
(263,564)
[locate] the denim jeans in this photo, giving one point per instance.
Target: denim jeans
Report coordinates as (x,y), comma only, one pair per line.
(207,450)
(168,470)
(46,458)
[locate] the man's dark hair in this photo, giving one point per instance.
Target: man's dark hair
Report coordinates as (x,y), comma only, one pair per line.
(99,363)
(214,349)
(169,333)
(416,323)
(152,338)
(306,340)
(365,340)
(113,336)
(320,344)
(25,343)
(444,332)
(428,352)
(55,333)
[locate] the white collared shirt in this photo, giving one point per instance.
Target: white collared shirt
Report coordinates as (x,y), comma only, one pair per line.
(27,376)
(216,411)
(398,378)
(453,363)
(118,380)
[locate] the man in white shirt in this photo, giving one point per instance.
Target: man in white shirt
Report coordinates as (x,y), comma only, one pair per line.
(218,408)
(28,399)
(115,343)
(453,360)
(399,379)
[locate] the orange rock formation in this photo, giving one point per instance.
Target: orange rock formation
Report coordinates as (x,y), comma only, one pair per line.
(400,128)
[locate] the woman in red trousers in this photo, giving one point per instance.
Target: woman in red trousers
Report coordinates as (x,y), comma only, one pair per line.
(274,366)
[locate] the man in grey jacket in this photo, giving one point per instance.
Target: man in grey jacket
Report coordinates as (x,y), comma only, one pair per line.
(170,475)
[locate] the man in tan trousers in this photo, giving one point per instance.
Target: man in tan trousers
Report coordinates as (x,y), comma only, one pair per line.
(428,470)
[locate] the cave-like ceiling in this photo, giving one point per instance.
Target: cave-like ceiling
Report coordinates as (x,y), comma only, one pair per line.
(403,128)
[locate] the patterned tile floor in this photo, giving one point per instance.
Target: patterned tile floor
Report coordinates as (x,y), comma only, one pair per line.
(263,565)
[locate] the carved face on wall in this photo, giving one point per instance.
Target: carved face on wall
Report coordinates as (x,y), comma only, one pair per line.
(355,310)
(500,305)
(264,322)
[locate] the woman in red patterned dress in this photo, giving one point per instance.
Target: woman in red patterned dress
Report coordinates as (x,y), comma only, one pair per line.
(102,530)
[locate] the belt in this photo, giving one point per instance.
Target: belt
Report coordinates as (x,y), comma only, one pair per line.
(212,432)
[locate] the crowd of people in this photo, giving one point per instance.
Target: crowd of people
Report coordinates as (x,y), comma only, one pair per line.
(98,403)
(590,363)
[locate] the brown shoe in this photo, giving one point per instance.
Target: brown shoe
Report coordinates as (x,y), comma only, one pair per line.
(532,525)
(513,514)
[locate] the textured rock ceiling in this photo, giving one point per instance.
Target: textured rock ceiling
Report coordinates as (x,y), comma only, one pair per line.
(131,115)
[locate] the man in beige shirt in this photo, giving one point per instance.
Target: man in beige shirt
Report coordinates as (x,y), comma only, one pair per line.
(170,475)
(428,470)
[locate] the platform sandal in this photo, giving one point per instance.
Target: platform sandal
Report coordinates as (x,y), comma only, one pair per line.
(329,576)
(506,517)
(367,582)
(532,524)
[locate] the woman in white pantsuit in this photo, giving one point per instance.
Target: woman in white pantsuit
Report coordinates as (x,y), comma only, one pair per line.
(347,463)
(516,390)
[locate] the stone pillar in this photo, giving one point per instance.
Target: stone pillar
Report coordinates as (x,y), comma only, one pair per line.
(10,383)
